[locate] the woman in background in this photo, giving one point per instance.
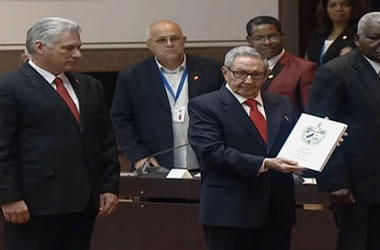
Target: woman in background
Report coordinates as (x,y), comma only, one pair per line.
(336,20)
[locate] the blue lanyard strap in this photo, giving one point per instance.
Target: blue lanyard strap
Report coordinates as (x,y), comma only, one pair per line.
(169,88)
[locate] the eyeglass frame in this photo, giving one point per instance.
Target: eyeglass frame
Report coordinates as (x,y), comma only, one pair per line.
(252,75)
(164,40)
(261,39)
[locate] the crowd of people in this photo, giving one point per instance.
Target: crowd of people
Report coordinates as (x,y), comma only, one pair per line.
(59,143)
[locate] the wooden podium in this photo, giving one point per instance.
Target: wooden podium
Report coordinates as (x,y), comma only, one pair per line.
(162,214)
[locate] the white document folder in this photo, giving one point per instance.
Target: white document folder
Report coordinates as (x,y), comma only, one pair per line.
(312,141)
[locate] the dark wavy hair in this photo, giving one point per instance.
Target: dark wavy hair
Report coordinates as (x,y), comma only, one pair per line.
(324,23)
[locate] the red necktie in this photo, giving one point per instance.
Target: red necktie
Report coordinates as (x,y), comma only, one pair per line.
(258,119)
(62,91)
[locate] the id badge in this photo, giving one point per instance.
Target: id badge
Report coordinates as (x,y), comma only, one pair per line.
(179,114)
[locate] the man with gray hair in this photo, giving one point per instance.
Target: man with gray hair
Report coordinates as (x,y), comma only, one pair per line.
(58,156)
(149,109)
(247,194)
(347,89)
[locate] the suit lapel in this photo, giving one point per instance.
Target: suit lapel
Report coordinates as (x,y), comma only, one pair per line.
(367,76)
(43,87)
(345,36)
(274,119)
(194,77)
(275,71)
(235,110)
(152,82)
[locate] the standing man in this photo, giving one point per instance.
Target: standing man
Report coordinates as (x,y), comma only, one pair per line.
(347,89)
(149,110)
(290,76)
(58,157)
(247,195)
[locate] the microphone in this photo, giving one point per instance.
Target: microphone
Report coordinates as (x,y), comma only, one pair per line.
(153,171)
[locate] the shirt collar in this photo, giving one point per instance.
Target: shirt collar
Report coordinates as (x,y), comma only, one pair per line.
(242,99)
(273,61)
(375,65)
(49,77)
(169,71)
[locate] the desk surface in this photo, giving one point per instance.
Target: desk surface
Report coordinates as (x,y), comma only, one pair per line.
(189,189)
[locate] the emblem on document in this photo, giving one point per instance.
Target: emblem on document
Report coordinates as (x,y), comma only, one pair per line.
(313,135)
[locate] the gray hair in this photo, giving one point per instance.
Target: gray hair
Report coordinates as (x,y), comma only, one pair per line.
(48,30)
(245,51)
(366,19)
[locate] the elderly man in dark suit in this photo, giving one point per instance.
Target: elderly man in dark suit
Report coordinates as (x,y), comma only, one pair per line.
(290,75)
(347,89)
(149,110)
(247,194)
(58,156)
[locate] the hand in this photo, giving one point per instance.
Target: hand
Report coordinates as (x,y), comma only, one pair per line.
(151,161)
(16,212)
(108,203)
(341,140)
(283,165)
(345,50)
(342,197)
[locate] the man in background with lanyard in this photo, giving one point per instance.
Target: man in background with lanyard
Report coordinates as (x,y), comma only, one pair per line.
(149,110)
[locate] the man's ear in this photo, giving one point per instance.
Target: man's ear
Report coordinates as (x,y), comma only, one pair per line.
(356,39)
(149,45)
(225,72)
(39,47)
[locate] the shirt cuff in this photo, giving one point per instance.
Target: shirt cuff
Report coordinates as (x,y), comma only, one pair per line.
(262,168)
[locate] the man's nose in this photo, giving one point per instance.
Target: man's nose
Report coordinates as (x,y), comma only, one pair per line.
(77,53)
(169,42)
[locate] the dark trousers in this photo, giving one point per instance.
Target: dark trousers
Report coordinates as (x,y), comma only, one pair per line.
(358,227)
(271,236)
(52,232)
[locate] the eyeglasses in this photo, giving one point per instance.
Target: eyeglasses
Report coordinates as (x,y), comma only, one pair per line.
(165,40)
(242,75)
(261,39)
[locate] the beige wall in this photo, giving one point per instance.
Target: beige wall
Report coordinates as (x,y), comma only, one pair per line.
(122,23)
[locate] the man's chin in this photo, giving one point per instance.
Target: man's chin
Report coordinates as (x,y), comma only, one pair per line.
(69,66)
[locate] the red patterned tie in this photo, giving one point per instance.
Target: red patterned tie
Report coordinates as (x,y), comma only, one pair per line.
(62,91)
(258,119)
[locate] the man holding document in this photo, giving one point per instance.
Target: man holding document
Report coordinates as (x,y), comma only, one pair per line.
(347,89)
(247,195)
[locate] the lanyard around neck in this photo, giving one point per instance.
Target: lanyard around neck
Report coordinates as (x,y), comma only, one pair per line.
(169,88)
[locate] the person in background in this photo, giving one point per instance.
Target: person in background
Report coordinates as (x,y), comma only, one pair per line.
(149,109)
(347,89)
(290,76)
(247,194)
(58,156)
(336,27)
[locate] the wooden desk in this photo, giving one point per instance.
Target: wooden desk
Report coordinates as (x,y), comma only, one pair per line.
(160,214)
(168,218)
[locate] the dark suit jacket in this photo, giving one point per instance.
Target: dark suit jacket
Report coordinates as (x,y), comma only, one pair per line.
(231,152)
(347,89)
(141,112)
(292,77)
(317,40)
(46,158)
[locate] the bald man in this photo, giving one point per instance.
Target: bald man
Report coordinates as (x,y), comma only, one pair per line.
(149,109)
